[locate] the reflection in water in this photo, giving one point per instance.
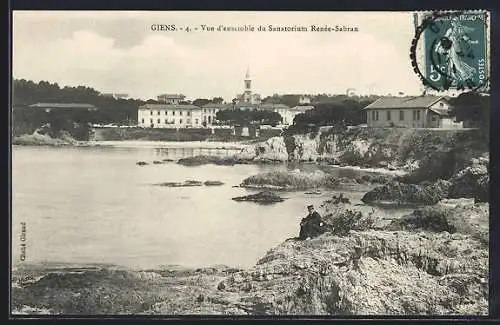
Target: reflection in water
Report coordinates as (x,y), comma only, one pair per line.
(178,153)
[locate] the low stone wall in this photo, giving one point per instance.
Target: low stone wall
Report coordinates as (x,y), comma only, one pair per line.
(181,134)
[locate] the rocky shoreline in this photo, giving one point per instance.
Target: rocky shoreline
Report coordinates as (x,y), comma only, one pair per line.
(433,261)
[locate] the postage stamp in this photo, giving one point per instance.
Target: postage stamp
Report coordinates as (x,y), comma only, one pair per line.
(454,49)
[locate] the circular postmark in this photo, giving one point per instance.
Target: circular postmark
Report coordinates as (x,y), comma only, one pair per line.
(450,50)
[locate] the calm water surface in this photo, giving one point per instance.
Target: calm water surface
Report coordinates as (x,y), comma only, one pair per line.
(95,205)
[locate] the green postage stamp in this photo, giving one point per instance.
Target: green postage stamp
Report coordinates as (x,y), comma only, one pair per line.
(453,49)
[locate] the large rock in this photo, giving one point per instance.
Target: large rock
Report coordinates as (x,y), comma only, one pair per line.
(264,197)
(273,149)
(366,273)
(403,193)
(305,148)
(291,180)
(461,216)
(203,160)
(472,181)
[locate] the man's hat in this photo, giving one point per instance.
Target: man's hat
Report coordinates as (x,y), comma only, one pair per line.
(310,207)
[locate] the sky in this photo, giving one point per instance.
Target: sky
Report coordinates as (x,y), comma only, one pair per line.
(118,52)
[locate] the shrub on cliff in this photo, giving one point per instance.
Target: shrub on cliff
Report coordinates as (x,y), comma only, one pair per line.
(472,181)
(342,223)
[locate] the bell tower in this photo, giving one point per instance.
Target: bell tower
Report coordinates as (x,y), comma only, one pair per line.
(247,97)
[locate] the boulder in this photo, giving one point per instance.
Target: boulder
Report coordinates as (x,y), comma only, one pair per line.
(273,149)
(450,216)
(261,197)
(403,193)
(213,183)
(203,160)
(472,181)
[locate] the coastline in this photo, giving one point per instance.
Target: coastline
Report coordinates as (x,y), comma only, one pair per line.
(424,264)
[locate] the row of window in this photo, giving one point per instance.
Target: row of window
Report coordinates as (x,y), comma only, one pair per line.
(188,113)
(416,115)
(188,121)
(173,113)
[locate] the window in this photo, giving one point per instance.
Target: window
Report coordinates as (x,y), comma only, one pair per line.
(388,115)
(180,121)
(434,117)
(188,121)
(196,121)
(173,113)
(158,112)
(159,121)
(166,121)
(441,104)
(151,121)
(180,113)
(401,115)
(188,113)
(151,113)
(418,115)
(166,112)
(414,115)
(204,110)
(376,115)
(373,115)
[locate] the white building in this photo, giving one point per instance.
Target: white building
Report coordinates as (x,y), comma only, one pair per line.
(175,116)
(172,99)
(287,113)
(416,112)
(304,100)
(116,95)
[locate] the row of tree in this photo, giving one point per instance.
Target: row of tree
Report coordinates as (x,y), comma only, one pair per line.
(342,113)
(242,117)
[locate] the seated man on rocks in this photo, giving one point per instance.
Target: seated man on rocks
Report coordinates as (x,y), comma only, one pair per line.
(312,225)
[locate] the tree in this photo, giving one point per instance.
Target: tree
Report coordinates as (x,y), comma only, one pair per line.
(201,102)
(242,117)
(472,107)
(217,100)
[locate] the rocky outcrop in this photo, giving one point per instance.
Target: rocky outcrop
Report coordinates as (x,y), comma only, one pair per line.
(366,273)
(43,139)
(391,148)
(187,183)
(297,180)
(273,149)
(213,183)
(264,197)
(403,193)
(452,216)
(408,268)
(203,160)
(472,181)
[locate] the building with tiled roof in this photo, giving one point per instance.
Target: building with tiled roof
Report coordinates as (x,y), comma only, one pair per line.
(417,112)
(174,116)
(171,98)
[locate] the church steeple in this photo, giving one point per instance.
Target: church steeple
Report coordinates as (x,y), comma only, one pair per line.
(248,81)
